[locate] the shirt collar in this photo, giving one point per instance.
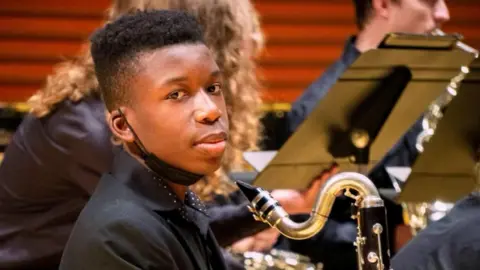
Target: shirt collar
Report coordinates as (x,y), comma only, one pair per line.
(155,193)
(350,52)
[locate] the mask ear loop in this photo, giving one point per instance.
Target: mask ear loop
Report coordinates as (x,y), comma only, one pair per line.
(151,164)
(137,141)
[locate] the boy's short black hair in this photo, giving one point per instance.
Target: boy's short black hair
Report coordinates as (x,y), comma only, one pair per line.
(116,46)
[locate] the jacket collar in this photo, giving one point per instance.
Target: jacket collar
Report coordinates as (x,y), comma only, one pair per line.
(350,52)
(155,193)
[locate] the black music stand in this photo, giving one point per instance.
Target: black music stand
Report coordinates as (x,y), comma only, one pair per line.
(445,170)
(374,98)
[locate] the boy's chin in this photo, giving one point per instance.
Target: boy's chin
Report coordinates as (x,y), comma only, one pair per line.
(206,168)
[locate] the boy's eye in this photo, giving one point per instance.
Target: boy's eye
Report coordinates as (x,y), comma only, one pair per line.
(214,88)
(175,95)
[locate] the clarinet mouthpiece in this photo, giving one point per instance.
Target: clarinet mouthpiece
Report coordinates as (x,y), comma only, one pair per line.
(248,190)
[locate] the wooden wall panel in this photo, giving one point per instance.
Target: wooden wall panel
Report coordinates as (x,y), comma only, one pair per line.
(63,28)
(304,37)
(62,8)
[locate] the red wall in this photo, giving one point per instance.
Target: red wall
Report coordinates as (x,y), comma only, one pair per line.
(304,36)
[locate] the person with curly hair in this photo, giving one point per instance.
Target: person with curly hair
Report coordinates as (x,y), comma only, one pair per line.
(58,153)
(232,31)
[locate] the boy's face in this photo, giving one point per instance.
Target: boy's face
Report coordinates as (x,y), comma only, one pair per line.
(178,110)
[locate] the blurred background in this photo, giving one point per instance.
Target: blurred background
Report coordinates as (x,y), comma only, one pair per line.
(303,38)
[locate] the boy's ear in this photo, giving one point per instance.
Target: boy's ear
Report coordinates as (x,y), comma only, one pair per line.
(118,125)
(381,7)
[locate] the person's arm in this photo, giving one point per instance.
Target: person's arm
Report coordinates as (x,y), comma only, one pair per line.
(448,256)
(80,134)
(309,99)
(92,157)
(468,257)
(232,222)
(259,242)
(451,243)
(121,245)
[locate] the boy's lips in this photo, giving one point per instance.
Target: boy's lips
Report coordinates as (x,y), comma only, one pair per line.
(213,137)
(213,144)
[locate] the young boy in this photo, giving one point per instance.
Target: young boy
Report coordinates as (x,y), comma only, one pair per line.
(163,91)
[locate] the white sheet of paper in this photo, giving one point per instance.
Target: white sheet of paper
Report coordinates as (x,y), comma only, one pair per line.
(401,173)
(259,159)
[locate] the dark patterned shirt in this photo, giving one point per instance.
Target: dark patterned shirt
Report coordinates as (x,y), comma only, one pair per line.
(134,220)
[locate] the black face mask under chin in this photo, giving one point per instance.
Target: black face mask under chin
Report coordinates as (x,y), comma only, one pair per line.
(161,168)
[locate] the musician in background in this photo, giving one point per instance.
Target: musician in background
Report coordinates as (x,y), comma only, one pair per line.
(451,243)
(60,150)
(375,18)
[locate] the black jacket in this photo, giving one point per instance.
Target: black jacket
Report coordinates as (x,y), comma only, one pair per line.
(50,168)
(451,243)
(135,221)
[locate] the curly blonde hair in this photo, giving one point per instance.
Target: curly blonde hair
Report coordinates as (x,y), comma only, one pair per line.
(232,31)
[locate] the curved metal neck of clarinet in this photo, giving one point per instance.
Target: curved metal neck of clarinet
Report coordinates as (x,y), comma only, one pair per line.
(372,232)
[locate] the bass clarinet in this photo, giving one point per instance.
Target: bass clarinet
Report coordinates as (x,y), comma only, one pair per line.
(372,245)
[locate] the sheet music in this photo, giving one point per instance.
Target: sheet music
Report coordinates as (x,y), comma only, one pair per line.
(259,159)
(400,173)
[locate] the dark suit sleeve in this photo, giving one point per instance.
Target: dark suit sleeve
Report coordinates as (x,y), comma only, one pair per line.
(309,99)
(451,243)
(82,136)
(448,256)
(122,245)
(468,257)
(228,214)
(314,93)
